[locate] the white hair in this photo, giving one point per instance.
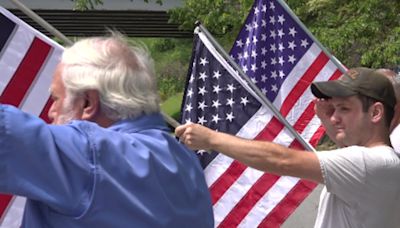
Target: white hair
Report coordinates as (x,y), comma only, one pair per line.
(122,73)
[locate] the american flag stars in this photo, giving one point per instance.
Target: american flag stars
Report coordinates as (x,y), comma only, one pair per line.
(212,96)
(276,46)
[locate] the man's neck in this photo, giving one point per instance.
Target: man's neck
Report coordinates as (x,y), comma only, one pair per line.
(103,120)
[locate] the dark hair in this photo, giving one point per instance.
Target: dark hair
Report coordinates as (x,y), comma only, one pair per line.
(368,101)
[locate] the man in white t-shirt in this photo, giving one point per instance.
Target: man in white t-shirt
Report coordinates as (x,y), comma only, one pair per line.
(362,187)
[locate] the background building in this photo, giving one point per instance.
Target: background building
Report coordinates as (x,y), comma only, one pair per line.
(132,17)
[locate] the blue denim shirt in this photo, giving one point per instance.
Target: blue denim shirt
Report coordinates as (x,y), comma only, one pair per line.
(132,174)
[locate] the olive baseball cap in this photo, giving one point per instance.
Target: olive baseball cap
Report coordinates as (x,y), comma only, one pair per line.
(361,80)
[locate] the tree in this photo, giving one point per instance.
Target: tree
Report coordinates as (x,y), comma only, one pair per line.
(221,17)
(357,32)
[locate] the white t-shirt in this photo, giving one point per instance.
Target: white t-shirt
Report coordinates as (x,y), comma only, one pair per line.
(362,188)
(395,139)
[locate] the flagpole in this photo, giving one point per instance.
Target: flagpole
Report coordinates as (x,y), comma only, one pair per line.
(296,19)
(261,97)
(51,29)
(35,17)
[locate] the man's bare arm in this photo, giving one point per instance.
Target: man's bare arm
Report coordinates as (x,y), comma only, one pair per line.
(262,155)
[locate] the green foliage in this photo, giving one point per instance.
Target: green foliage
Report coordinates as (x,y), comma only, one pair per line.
(172,106)
(221,17)
(164,45)
(326,144)
(357,32)
(171,58)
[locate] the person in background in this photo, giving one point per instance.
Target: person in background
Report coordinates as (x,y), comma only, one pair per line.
(324,109)
(107,159)
(394,126)
(362,187)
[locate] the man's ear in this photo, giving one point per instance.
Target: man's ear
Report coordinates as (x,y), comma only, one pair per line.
(91,107)
(377,111)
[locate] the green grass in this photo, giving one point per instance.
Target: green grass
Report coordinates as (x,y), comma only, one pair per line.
(171,57)
(172,105)
(326,144)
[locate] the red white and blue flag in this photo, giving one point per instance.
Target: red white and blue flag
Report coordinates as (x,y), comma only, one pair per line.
(27,62)
(281,58)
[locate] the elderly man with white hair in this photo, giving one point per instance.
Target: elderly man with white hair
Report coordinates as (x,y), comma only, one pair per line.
(108,159)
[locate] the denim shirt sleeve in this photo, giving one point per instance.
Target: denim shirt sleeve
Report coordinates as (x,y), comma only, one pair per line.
(48,163)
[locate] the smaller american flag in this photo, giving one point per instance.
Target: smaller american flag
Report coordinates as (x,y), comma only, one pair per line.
(212,98)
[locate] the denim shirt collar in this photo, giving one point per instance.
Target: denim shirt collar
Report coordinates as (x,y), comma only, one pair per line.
(144,122)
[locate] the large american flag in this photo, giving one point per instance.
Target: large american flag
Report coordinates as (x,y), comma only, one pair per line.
(282,60)
(27,62)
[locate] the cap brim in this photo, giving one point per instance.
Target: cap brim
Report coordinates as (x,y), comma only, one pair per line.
(329,89)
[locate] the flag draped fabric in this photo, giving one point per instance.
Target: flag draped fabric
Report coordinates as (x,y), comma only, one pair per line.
(27,62)
(282,60)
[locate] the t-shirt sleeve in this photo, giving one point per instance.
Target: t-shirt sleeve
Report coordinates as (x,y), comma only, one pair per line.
(344,172)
